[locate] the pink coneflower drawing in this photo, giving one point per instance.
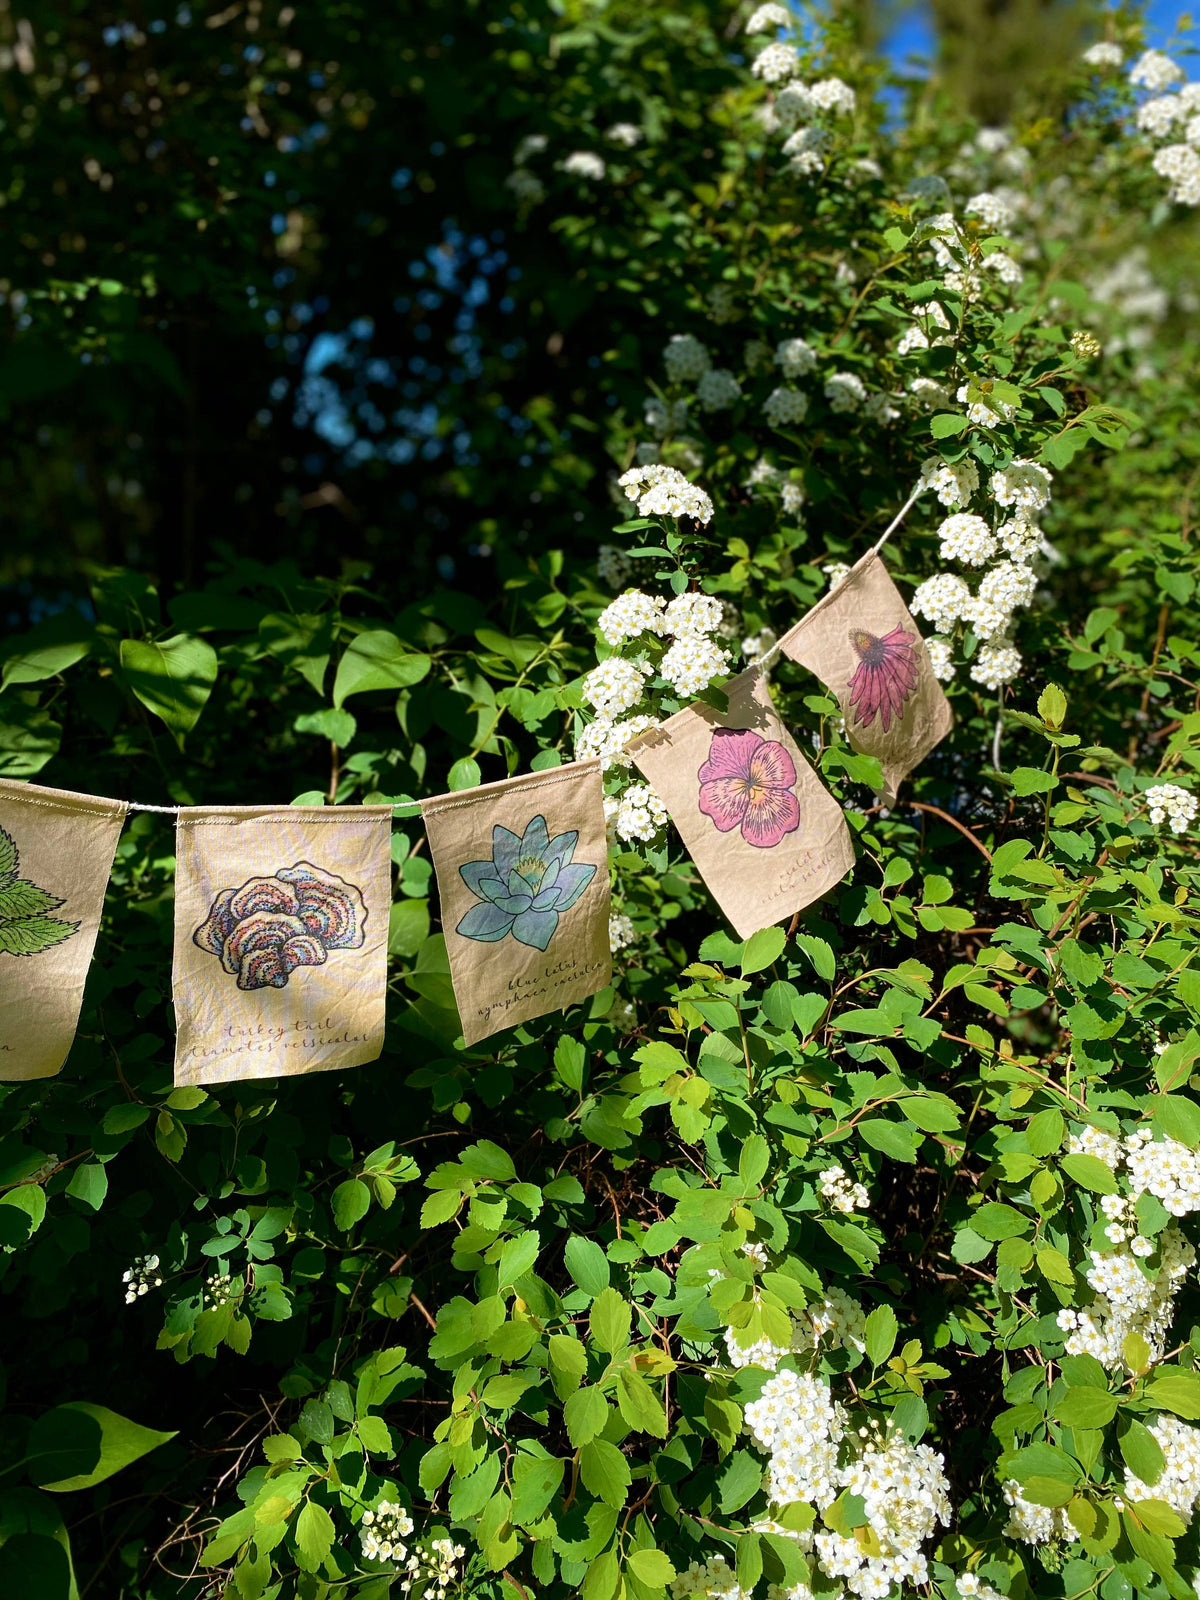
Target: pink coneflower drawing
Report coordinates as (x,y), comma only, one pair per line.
(887,673)
(747,783)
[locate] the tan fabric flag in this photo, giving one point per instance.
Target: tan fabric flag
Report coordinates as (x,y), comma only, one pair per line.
(281,921)
(56,853)
(765,834)
(862,643)
(522,870)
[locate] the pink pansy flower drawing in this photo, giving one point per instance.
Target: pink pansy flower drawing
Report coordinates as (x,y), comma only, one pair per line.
(887,673)
(747,783)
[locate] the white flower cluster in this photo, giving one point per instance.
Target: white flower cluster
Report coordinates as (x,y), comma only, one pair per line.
(612,566)
(219,1290)
(804,1432)
(1179,1484)
(845,391)
(1103,54)
(431,1572)
(722,303)
(766,18)
(384,1531)
(664,417)
(1163,116)
(837,1322)
(585,164)
(1165,1168)
(842,1194)
(615,686)
(640,814)
(685,358)
(983,415)
(660,491)
(795,358)
(141,1276)
(784,407)
(692,663)
(1130,1298)
(1023,487)
(905,1496)
(1034,1524)
(972,1587)
(621,932)
(630,615)
(626,134)
(611,740)
(715,1576)
(717,389)
(1169,803)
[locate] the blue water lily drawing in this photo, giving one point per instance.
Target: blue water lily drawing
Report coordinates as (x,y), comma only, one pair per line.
(526,886)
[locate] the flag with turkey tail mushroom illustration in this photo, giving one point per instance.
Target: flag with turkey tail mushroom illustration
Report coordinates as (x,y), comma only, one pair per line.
(863,644)
(56,854)
(764,833)
(281,918)
(522,871)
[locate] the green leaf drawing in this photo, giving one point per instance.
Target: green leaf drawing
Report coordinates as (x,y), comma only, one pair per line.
(25,929)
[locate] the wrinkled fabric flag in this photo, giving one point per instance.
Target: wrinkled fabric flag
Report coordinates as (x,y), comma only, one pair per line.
(56,854)
(764,833)
(281,923)
(522,870)
(862,643)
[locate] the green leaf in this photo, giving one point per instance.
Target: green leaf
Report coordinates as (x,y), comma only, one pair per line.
(488,1160)
(740,1479)
(585,1414)
(173,678)
(605,1472)
(948,425)
(1090,1173)
(121,1443)
(753,1159)
(350,1203)
(1177,1390)
(587,1264)
(653,1567)
(639,1405)
(464,774)
(377,660)
(602,1579)
(536,1480)
(1177,1117)
(1032,780)
(899,1140)
(1086,1407)
(1052,703)
(375,1435)
(762,949)
(880,1334)
(1141,1452)
(994,1220)
(8,853)
(1158,1517)
(89,1184)
(35,1566)
(610,1320)
(314,1536)
(42,662)
(339,727)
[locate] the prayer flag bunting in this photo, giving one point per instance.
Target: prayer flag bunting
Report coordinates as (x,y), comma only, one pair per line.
(863,644)
(56,854)
(522,870)
(765,834)
(281,921)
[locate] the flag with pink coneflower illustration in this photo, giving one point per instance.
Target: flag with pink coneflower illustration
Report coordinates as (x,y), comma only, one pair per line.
(764,833)
(863,644)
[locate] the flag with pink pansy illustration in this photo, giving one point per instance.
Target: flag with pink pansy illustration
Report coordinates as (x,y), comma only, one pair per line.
(281,921)
(863,644)
(764,833)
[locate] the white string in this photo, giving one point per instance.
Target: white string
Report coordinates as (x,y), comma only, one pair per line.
(408,808)
(768,656)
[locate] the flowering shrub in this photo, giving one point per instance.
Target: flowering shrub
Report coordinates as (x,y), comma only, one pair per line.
(857,1258)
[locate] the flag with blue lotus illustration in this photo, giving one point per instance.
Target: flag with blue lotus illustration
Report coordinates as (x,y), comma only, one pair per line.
(863,644)
(522,870)
(281,920)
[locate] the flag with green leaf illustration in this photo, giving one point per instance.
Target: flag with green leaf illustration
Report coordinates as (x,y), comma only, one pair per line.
(56,854)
